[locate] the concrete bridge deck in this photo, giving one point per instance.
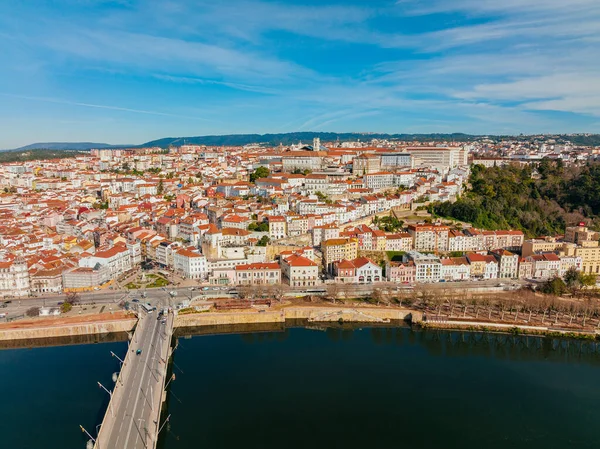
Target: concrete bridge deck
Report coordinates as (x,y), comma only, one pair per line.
(132,419)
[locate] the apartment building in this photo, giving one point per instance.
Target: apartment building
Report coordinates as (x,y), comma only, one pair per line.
(335,250)
(14,277)
(300,271)
(258,274)
(432,238)
(277,227)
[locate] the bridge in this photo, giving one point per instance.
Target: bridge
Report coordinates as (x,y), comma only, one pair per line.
(132,419)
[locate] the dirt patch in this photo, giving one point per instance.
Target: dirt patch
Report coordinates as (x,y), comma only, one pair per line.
(66,321)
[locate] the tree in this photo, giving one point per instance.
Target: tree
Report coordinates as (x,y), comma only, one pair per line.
(72,298)
(33,311)
(333,291)
(278,291)
(258,227)
(161,187)
(66,307)
(555,286)
(571,277)
(260,172)
(264,241)
(245,291)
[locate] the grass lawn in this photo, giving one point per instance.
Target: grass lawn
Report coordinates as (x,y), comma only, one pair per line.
(395,256)
(159,282)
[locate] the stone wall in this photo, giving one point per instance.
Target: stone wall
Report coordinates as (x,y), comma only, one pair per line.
(68,330)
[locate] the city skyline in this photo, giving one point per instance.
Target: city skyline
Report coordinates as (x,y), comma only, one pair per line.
(132,71)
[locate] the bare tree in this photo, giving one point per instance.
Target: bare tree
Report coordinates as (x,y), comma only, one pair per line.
(72,298)
(333,291)
(33,311)
(278,291)
(245,291)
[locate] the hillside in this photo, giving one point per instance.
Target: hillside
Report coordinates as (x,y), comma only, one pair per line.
(289,138)
(307,137)
(510,198)
(66,146)
(32,155)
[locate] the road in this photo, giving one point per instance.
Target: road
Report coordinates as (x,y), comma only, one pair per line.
(132,419)
(111,298)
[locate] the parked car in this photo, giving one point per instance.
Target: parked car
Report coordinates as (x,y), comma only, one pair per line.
(138,352)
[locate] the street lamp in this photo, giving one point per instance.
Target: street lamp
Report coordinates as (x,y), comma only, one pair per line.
(110,406)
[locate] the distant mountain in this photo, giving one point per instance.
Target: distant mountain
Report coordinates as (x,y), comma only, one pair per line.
(66,146)
(289,138)
(306,137)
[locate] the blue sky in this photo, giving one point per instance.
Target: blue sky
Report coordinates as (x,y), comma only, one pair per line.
(128,71)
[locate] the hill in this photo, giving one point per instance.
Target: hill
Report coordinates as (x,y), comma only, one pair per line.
(32,155)
(514,198)
(289,138)
(66,146)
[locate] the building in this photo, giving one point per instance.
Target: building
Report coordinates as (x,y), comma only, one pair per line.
(508,264)
(399,242)
(545,266)
(545,245)
(578,234)
(335,250)
(393,160)
(361,270)
(14,277)
(589,252)
(300,271)
(428,268)
(277,227)
(117,259)
(190,264)
(82,278)
(258,274)
(324,232)
(400,273)
(433,238)
(455,269)
(439,157)
(47,280)
(366,164)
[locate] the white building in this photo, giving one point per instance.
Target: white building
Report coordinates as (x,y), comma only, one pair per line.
(300,271)
(190,263)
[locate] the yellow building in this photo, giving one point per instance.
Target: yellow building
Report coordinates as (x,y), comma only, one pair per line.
(589,251)
(335,250)
(545,245)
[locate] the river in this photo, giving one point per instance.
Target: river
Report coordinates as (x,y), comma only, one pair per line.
(299,388)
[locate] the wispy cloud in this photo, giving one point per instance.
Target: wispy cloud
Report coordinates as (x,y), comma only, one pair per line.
(101,106)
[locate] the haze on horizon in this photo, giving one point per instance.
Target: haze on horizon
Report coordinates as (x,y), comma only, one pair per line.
(134,70)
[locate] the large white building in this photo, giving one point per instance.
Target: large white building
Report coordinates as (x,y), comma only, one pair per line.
(117,259)
(439,157)
(190,263)
(300,271)
(428,268)
(14,277)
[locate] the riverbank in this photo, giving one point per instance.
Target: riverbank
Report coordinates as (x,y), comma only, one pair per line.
(48,328)
(511,328)
(311,314)
(44,329)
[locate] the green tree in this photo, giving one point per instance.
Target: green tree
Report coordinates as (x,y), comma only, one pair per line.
(260,172)
(264,241)
(161,187)
(555,286)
